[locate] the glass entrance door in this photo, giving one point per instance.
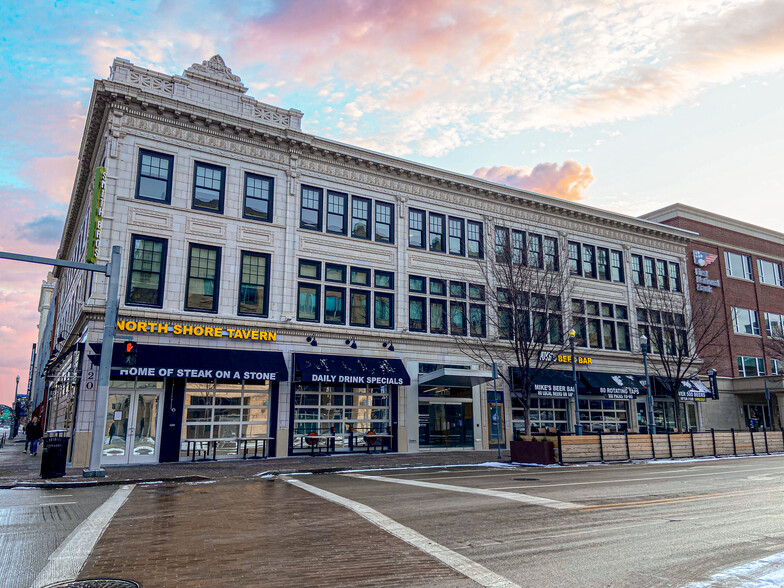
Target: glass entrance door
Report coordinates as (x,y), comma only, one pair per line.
(446,425)
(133,425)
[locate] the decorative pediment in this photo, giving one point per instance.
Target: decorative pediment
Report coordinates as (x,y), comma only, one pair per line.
(215,71)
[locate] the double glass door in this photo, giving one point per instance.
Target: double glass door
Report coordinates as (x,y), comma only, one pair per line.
(133,423)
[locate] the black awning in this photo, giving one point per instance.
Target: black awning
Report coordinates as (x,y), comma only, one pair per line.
(553,384)
(344,369)
(617,386)
(198,362)
(688,389)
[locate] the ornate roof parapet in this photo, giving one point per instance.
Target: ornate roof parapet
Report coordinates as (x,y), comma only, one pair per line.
(209,83)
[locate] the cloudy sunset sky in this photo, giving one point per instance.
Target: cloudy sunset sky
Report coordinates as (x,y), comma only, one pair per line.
(625,105)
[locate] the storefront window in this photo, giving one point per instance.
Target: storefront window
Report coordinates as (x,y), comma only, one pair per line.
(545,413)
(599,414)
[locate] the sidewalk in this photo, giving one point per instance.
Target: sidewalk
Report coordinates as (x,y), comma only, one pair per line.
(20,469)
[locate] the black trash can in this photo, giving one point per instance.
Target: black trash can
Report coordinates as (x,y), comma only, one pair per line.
(54,456)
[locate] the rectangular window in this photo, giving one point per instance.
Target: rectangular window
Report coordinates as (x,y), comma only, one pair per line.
(616,266)
(675,277)
(309,269)
(745,321)
(749,367)
(608,332)
(622,330)
(203,270)
(437,316)
(775,366)
(360,301)
(384,311)
(437,222)
(155,176)
(457,318)
(337,218)
(476,292)
(437,287)
(416,228)
(502,249)
(478,321)
(769,272)
(147,271)
(594,333)
(650,272)
(416,314)
(310,213)
(551,254)
(589,261)
(535,251)
(208,187)
(416,284)
(637,270)
(259,192)
(360,276)
(774,324)
(457,289)
(662,279)
(308,302)
(603,263)
(738,266)
(518,247)
(360,218)
(456,236)
(475,245)
(334,305)
(335,273)
(254,278)
(385,222)
(385,280)
(575,259)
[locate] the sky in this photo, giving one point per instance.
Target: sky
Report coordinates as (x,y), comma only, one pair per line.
(624,105)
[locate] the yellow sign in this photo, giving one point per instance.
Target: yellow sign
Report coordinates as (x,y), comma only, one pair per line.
(547,356)
(195,331)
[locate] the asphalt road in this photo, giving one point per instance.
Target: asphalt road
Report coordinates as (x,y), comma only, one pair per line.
(33,523)
(646,525)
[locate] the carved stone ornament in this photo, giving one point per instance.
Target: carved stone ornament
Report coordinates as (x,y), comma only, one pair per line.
(215,70)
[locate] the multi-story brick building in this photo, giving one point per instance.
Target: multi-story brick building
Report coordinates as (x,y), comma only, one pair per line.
(282,285)
(741,264)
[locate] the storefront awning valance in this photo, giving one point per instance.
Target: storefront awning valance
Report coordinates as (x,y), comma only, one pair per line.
(688,389)
(553,384)
(344,369)
(197,362)
(456,378)
(616,386)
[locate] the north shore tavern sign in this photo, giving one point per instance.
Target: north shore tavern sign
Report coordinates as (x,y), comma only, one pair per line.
(195,330)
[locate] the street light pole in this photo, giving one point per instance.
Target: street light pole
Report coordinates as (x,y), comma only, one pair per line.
(498,410)
(578,427)
(644,349)
(15,420)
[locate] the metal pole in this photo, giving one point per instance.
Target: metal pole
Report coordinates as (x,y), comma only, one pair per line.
(105,367)
(651,418)
(498,414)
(578,427)
(767,400)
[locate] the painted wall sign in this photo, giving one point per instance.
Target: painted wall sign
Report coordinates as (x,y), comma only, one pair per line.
(547,356)
(195,330)
(96,217)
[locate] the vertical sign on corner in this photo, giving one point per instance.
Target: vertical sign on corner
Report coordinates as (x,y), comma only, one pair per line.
(96,216)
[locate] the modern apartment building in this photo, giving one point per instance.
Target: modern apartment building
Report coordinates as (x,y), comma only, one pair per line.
(282,285)
(740,265)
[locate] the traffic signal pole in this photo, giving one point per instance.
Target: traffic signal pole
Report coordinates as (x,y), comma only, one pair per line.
(112,271)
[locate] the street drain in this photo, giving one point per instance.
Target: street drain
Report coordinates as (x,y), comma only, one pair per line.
(525,479)
(96,583)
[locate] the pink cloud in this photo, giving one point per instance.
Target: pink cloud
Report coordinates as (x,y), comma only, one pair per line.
(569,181)
(57,181)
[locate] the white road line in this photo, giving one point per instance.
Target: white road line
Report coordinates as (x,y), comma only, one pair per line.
(35,505)
(615,481)
(763,573)
(514,496)
(67,560)
(469,568)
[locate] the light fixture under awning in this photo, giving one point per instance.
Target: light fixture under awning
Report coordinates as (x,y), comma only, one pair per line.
(455,378)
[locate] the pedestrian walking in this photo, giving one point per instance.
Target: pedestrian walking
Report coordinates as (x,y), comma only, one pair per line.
(33,432)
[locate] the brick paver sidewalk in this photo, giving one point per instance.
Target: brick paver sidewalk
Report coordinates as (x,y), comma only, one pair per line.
(260,533)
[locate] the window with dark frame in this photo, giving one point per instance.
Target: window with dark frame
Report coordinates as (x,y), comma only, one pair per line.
(456,236)
(416,228)
(334,272)
(359,315)
(589,261)
(309,269)
(518,248)
(308,302)
(675,277)
(337,213)
(603,263)
(310,210)
(208,187)
(385,222)
(254,277)
(502,245)
(616,266)
(384,308)
(457,317)
(535,251)
(438,316)
(360,218)
(437,222)
(417,284)
(360,276)
(155,176)
(475,236)
(477,320)
(259,192)
(662,279)
(551,262)
(575,259)
(147,271)
(384,279)
(637,278)
(650,272)
(417,318)
(334,305)
(201,293)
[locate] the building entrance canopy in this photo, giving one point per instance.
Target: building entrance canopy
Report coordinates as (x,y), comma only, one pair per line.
(197,363)
(455,378)
(615,386)
(343,369)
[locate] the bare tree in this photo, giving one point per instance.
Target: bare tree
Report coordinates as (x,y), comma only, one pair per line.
(682,336)
(522,326)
